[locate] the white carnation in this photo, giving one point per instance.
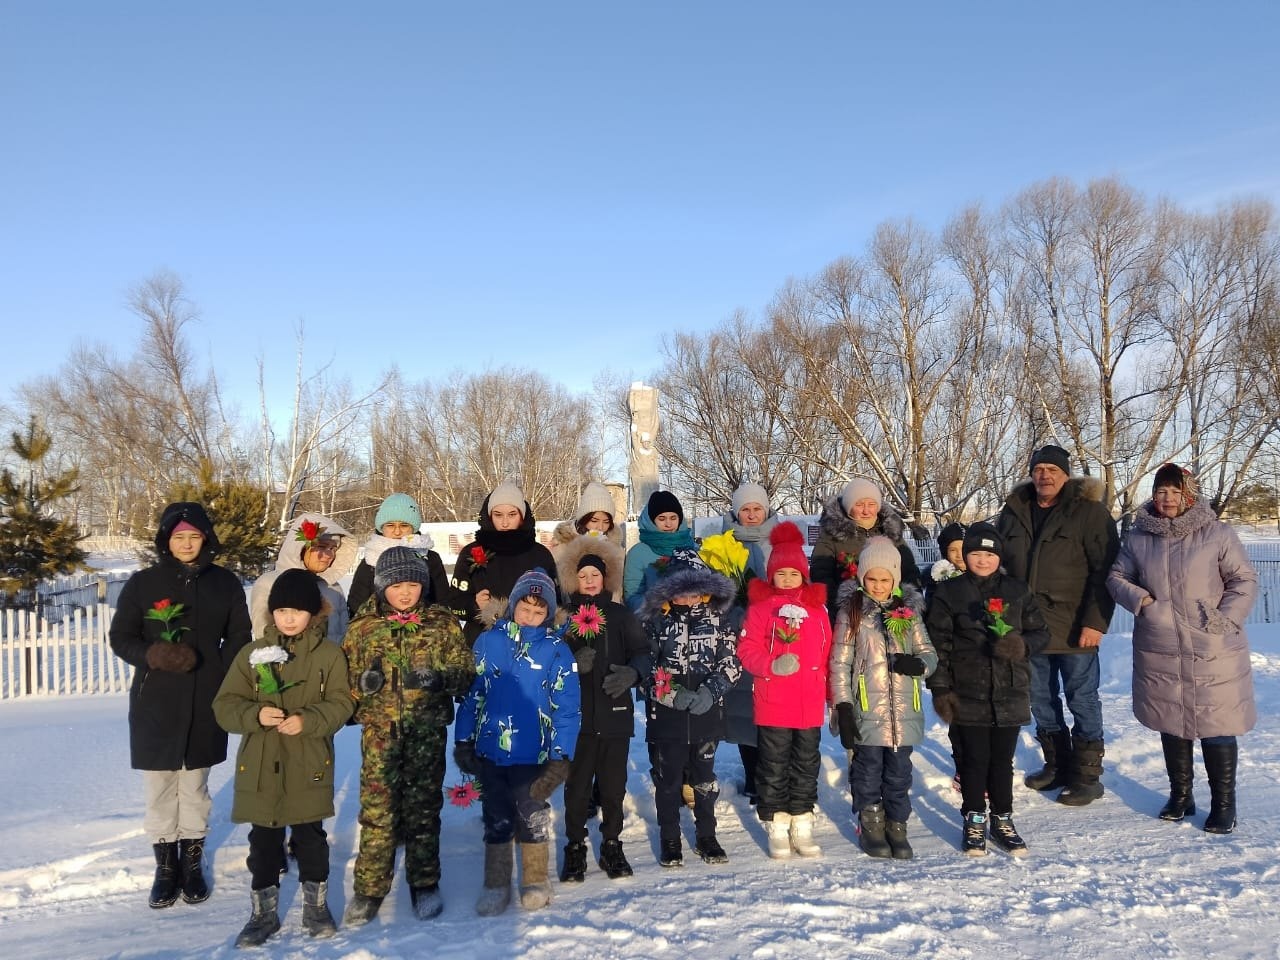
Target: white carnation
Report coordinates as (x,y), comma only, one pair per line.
(275,654)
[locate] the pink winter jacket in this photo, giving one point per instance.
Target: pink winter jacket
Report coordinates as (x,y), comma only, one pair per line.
(797,701)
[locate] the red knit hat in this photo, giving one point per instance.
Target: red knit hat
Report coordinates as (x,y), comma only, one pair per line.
(788,550)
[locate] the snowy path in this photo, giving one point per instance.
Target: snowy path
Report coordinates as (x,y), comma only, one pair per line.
(1103,881)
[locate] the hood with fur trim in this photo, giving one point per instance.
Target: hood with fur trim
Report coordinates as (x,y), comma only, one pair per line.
(568,554)
(811,594)
(699,580)
(290,554)
(1076,488)
(838,525)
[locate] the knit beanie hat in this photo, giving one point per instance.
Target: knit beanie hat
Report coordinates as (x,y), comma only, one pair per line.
(880,553)
(949,535)
(859,488)
(401,508)
(983,536)
(1053,455)
(534,583)
(1172,475)
(787,551)
(593,560)
(295,590)
(664,501)
(400,565)
(749,493)
(507,494)
(595,498)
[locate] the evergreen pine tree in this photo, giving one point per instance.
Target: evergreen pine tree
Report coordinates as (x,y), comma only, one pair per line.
(34,544)
(237,510)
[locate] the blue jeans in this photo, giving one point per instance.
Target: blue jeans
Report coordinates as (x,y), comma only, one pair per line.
(1076,675)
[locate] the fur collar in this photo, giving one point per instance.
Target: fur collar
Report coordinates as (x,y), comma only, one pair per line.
(1076,488)
(762,591)
(837,524)
(850,591)
(1196,517)
(568,554)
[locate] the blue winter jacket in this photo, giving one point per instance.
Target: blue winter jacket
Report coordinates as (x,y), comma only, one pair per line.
(525,704)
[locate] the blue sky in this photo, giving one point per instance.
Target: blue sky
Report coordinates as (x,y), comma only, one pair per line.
(555,185)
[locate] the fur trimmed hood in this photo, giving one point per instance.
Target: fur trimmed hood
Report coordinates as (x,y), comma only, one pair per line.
(289,556)
(811,594)
(568,554)
(850,590)
(1076,488)
(690,578)
(567,532)
(837,524)
(1196,517)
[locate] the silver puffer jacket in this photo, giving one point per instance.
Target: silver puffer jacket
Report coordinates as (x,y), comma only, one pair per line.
(886,704)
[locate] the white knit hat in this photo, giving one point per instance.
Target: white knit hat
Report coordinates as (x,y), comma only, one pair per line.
(595,497)
(507,494)
(880,553)
(749,493)
(859,488)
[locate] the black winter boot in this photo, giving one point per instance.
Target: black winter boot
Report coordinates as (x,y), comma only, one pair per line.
(613,861)
(973,837)
(191,854)
(164,891)
(316,918)
(1057,762)
(1086,774)
(896,834)
(575,862)
(871,832)
(265,919)
(1180,764)
(1220,765)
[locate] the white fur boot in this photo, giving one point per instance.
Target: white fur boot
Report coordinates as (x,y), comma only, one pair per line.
(802,836)
(779,841)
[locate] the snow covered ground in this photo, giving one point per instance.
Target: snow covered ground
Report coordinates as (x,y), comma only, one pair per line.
(1108,880)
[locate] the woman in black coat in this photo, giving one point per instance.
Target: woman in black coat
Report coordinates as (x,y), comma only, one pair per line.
(180,623)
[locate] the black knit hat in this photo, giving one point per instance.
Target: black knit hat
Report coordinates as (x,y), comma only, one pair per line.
(592,560)
(664,501)
(983,536)
(1053,455)
(400,565)
(295,590)
(949,535)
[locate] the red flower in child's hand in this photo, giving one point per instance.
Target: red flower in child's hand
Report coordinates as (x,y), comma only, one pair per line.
(480,556)
(162,604)
(995,605)
(463,794)
(661,683)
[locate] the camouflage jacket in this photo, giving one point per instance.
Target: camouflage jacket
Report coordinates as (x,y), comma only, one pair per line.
(400,648)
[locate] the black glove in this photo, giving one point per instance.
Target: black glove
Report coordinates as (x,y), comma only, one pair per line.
(586,657)
(1010,647)
(907,664)
(945,705)
(544,784)
(372,680)
(620,679)
(465,759)
(849,732)
(424,678)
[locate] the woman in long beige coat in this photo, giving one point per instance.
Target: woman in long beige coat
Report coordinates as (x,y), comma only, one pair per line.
(1190,586)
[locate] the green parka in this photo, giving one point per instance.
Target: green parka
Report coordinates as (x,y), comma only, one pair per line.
(286,779)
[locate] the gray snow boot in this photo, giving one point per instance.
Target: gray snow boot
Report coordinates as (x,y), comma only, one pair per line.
(316,918)
(361,909)
(535,888)
(265,919)
(499,861)
(427,902)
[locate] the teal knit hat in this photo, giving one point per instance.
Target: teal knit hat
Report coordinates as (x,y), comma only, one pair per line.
(398,507)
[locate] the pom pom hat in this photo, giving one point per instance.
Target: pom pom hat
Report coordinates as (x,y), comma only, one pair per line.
(787,551)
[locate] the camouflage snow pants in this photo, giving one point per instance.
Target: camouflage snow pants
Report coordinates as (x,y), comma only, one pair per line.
(401,795)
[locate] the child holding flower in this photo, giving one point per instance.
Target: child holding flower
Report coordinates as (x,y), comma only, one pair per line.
(286,695)
(985,625)
(880,657)
(785,644)
(407,661)
(605,637)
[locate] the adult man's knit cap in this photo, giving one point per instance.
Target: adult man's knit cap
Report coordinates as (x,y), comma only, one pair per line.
(1053,455)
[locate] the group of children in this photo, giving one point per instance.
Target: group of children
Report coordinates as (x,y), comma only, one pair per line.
(547,700)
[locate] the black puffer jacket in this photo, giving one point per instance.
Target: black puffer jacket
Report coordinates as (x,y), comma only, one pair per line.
(1067,567)
(621,641)
(171,722)
(992,692)
(507,554)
